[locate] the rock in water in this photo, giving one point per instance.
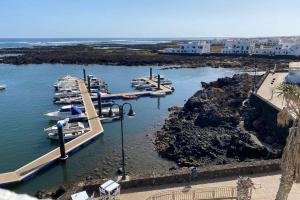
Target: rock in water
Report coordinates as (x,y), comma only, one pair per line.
(207,129)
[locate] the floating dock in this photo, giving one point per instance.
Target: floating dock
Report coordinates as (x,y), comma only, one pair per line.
(31,168)
(163,88)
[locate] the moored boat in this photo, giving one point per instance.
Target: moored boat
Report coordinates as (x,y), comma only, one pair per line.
(69,111)
(70,131)
(158,94)
(2,87)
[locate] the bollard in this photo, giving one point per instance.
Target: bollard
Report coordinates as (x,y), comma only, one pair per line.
(84,75)
(158,82)
(99,104)
(150,73)
(89,84)
(60,125)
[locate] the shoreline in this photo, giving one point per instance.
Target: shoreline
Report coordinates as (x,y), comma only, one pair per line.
(136,55)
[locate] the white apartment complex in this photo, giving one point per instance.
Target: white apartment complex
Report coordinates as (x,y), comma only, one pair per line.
(289,49)
(238,47)
(190,48)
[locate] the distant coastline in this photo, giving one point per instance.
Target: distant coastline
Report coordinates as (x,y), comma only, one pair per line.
(137,53)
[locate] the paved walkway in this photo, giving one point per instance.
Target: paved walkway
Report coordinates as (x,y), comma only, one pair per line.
(269,186)
(268,90)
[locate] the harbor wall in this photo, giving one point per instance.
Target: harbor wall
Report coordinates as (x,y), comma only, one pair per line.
(269,113)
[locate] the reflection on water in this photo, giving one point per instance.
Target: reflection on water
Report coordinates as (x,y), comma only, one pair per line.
(29,95)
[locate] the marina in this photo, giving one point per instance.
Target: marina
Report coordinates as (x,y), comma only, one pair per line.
(40,163)
(78,133)
(96,154)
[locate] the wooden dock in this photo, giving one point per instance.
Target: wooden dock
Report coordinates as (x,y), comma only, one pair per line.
(43,161)
(163,88)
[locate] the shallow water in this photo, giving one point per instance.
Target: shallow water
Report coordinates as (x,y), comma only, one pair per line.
(29,94)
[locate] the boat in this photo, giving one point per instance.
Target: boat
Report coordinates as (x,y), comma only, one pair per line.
(70,131)
(129,96)
(68,100)
(163,80)
(110,119)
(158,94)
(69,111)
(143,86)
(2,87)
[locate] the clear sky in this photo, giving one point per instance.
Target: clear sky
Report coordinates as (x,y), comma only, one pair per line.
(148,18)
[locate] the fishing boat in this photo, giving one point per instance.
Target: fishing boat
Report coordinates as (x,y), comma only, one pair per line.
(2,87)
(158,94)
(70,131)
(69,111)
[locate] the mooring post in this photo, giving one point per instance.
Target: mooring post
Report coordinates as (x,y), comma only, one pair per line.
(89,84)
(84,75)
(158,81)
(60,125)
(99,104)
(150,73)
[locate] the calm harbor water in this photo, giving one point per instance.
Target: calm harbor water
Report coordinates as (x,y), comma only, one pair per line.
(29,95)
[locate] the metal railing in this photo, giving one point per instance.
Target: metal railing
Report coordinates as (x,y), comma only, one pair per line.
(219,193)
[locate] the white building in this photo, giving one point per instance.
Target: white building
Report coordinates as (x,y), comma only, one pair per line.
(190,48)
(279,50)
(238,47)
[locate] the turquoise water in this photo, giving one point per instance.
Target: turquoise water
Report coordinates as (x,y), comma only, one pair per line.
(29,94)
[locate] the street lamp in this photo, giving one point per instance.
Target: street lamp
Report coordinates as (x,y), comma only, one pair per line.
(130,113)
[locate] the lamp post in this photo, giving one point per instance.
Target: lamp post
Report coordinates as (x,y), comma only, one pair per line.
(131,113)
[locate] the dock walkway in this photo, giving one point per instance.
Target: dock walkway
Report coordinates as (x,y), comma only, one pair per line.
(163,88)
(43,161)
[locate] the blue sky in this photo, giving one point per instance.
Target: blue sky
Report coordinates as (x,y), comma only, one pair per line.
(148,18)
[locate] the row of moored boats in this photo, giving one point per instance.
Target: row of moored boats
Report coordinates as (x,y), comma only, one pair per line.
(144,85)
(67,92)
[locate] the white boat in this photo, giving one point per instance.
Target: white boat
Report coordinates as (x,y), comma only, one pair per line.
(69,111)
(110,119)
(64,94)
(158,94)
(2,87)
(70,131)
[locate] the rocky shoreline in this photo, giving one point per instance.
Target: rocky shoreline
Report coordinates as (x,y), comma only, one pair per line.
(135,55)
(217,126)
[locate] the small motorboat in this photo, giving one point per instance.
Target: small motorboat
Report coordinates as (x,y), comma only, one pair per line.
(68,100)
(129,96)
(70,131)
(158,94)
(69,111)
(143,86)
(110,119)
(2,87)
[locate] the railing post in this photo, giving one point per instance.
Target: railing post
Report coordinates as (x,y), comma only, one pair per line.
(173,195)
(150,73)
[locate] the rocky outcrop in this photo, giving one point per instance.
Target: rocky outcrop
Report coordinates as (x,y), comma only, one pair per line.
(209,128)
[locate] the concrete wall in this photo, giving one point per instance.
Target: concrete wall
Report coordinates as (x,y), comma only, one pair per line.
(269,114)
